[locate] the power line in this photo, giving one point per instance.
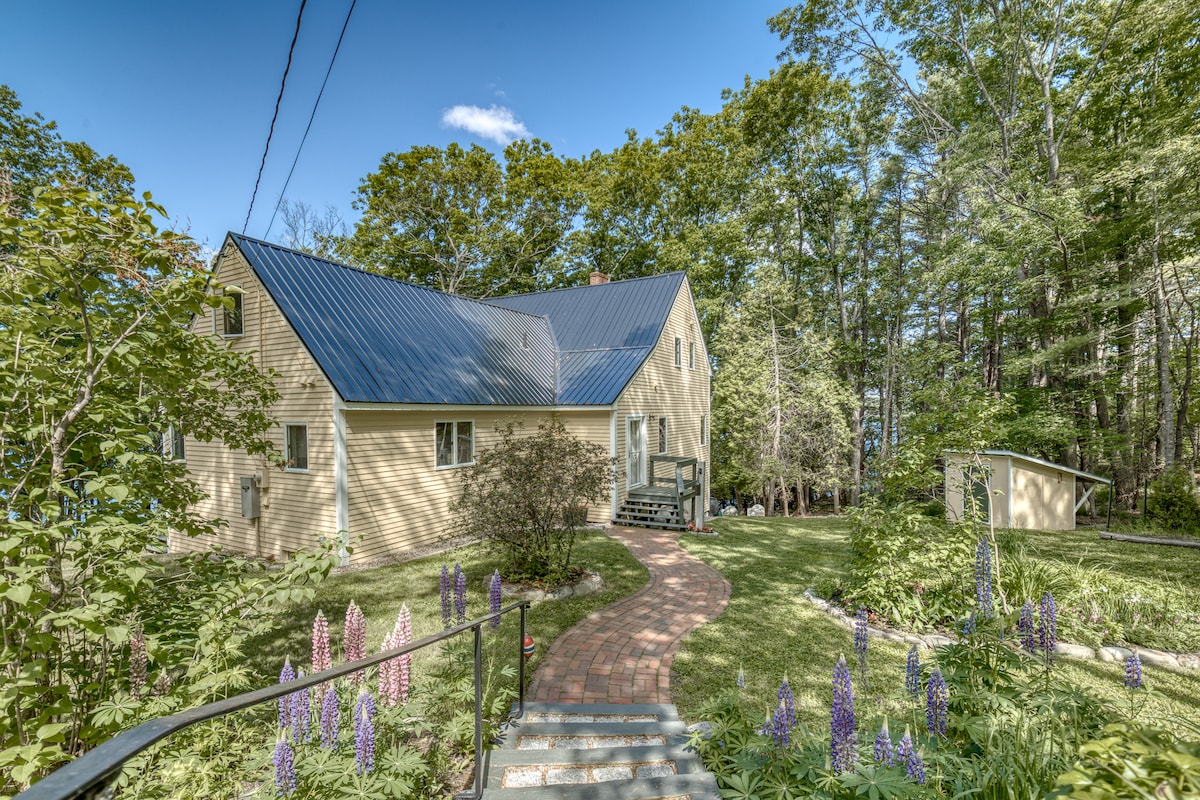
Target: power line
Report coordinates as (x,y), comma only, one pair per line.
(311,117)
(275,116)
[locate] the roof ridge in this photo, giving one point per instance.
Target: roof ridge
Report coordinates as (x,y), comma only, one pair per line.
(389,278)
(592,285)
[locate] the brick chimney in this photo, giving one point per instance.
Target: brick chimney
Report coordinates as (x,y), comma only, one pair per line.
(597,278)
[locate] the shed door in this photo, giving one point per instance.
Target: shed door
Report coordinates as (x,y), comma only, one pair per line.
(635,453)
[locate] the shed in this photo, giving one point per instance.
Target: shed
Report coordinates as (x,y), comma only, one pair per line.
(1018,491)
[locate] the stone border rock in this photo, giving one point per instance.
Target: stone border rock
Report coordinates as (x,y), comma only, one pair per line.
(589,584)
(1155,658)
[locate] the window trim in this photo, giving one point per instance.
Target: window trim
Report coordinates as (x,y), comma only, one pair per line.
(287,448)
(240,301)
(454,438)
(679,352)
(664,435)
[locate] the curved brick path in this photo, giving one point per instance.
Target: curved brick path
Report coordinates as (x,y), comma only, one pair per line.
(623,652)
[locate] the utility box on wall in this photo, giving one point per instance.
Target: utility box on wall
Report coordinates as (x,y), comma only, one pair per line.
(250,504)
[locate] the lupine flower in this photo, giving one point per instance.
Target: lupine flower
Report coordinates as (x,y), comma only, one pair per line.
(983,577)
(285,768)
(1133,671)
(329,720)
(285,707)
(1048,627)
(969,625)
(494,598)
(785,716)
(912,673)
(842,739)
(936,701)
(404,662)
(138,661)
(162,686)
(322,658)
(741,678)
(460,594)
(884,752)
(389,672)
(354,639)
(860,641)
(1025,627)
(300,713)
(444,591)
(364,733)
(914,765)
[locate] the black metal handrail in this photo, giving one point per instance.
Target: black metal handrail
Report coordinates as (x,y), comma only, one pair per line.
(94,772)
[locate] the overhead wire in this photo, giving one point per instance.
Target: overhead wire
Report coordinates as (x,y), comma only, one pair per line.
(270,132)
(311,117)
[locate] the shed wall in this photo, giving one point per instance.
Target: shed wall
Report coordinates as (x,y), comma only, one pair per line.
(296,507)
(662,389)
(998,484)
(1043,497)
(399,499)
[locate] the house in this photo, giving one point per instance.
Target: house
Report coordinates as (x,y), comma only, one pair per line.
(387,390)
(1017,491)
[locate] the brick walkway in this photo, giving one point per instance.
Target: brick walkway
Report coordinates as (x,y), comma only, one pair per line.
(623,653)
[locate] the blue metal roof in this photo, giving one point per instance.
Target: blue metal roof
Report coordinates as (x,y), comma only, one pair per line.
(380,340)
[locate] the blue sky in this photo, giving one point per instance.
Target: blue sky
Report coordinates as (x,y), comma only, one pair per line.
(183,92)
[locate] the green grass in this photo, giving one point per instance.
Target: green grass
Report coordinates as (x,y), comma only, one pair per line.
(770,630)
(381,591)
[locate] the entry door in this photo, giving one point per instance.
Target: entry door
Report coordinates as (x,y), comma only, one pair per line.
(635,453)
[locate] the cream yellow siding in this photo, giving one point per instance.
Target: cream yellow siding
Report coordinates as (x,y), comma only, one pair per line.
(296,507)
(399,499)
(1025,494)
(662,389)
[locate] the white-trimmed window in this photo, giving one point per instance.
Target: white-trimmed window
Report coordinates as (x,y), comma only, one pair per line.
(175,448)
(678,352)
(455,443)
(703,429)
(691,355)
(662,435)
(295,446)
(231,318)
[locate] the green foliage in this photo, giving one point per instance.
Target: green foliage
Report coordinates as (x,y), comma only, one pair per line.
(523,492)
(908,567)
(1128,761)
(1172,503)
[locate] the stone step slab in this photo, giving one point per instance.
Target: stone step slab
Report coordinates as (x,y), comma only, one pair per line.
(694,786)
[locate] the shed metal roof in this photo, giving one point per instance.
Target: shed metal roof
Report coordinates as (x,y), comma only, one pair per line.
(380,340)
(1041,461)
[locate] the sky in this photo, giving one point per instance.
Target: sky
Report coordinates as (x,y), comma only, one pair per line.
(183,92)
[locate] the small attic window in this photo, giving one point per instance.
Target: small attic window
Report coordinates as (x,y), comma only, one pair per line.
(232,323)
(678,352)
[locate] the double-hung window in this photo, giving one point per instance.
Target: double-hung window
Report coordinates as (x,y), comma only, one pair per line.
(175,447)
(295,446)
(455,443)
(232,318)
(691,355)
(678,352)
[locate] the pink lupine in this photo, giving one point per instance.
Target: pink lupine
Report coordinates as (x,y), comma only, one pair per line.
(138,661)
(394,674)
(404,662)
(354,644)
(321,658)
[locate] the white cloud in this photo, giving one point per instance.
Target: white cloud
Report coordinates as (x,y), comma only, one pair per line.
(496,123)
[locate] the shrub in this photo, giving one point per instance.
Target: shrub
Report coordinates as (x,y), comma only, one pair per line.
(523,495)
(1172,504)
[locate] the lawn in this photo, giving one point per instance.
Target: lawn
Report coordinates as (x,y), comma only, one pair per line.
(770,630)
(381,591)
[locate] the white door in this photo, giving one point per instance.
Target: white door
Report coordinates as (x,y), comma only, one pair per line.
(635,453)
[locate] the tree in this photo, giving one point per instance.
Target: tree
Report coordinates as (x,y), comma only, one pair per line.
(99,363)
(525,495)
(309,230)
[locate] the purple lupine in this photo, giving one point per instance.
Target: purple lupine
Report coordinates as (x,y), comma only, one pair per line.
(842,738)
(1025,627)
(330,719)
(494,598)
(936,704)
(138,662)
(285,768)
(969,625)
(914,765)
(983,577)
(444,591)
(285,707)
(912,673)
(884,752)
(364,733)
(784,718)
(1133,672)
(301,713)
(460,594)
(354,638)
(860,641)
(1048,627)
